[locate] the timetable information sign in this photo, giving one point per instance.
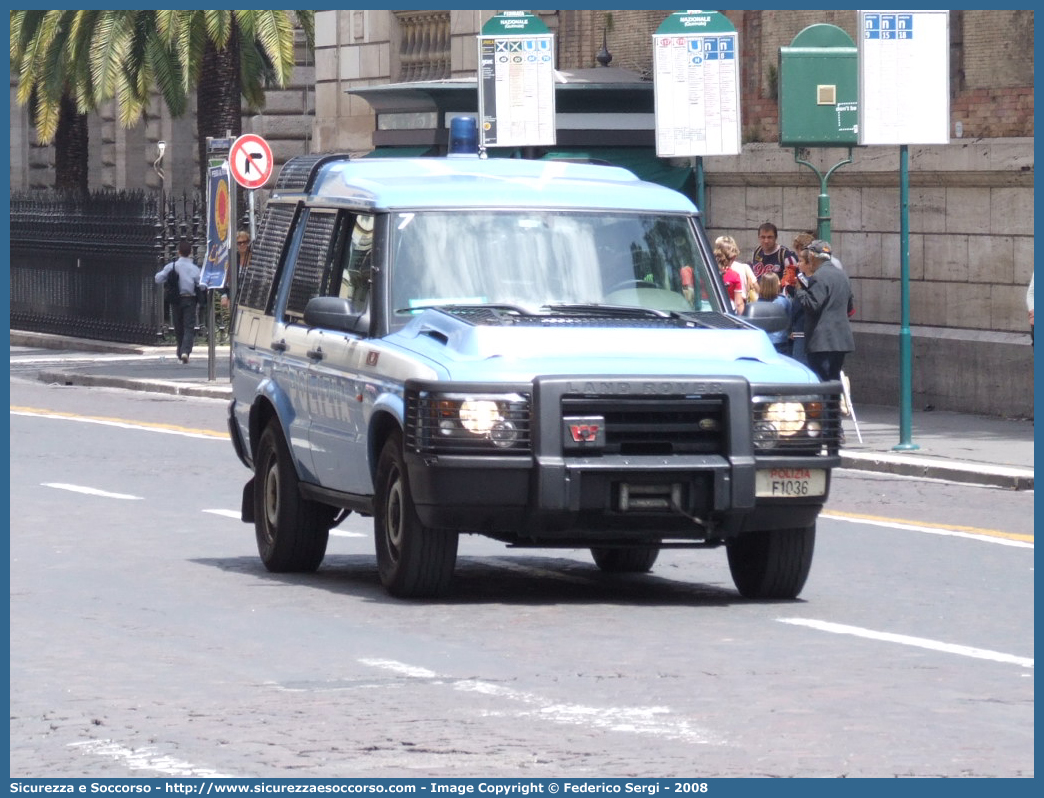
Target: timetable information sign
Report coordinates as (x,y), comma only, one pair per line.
(696,73)
(904,77)
(516,82)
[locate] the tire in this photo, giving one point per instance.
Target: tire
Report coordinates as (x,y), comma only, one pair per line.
(635,560)
(292,532)
(414,561)
(773,564)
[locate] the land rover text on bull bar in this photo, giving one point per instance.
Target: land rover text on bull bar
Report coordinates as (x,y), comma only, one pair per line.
(536,351)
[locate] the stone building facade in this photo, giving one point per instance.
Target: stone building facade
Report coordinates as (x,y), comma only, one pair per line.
(971,201)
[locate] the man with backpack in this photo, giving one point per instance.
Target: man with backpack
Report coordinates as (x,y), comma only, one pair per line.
(183,277)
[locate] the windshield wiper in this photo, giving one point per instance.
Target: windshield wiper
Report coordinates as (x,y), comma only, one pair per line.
(451,306)
(595,309)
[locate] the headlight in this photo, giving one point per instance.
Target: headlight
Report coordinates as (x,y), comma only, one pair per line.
(794,424)
(787,417)
(460,423)
(479,415)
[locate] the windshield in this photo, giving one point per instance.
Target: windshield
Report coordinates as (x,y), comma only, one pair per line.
(537,259)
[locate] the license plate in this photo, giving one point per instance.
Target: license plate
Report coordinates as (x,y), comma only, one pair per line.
(790,482)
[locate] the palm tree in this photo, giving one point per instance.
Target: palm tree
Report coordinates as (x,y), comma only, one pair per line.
(128,59)
(49,82)
(70,62)
(231,56)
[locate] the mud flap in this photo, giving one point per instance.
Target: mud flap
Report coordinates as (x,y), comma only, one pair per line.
(247,510)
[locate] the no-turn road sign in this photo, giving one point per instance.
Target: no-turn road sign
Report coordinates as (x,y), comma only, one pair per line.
(250,161)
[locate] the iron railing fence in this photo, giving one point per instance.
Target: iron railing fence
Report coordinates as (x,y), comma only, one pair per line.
(84,265)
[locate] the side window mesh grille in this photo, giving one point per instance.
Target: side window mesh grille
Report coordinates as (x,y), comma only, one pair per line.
(311,259)
(258,279)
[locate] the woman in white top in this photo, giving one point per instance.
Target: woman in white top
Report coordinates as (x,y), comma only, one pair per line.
(728,246)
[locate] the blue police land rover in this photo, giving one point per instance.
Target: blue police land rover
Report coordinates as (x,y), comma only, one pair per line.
(535,351)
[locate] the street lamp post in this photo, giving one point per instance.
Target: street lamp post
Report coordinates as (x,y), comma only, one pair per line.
(157,165)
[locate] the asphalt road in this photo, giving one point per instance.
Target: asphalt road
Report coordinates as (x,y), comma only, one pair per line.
(147,639)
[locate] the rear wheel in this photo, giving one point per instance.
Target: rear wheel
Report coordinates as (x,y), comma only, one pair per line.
(772,564)
(634,560)
(292,532)
(414,561)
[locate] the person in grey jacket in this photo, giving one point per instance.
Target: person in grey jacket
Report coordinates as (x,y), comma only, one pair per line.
(826,297)
(184,312)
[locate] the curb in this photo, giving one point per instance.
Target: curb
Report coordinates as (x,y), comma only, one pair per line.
(1008,477)
(194,389)
(48,341)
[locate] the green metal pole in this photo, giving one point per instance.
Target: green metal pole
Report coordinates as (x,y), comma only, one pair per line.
(905,351)
(697,166)
(823,231)
(823,215)
(211,343)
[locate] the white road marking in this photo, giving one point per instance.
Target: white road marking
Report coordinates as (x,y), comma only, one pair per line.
(147,759)
(636,720)
(235,515)
(906,640)
(956,533)
(340,533)
(400,668)
(90,491)
(225,513)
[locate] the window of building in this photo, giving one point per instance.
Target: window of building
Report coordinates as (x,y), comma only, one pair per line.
(424,45)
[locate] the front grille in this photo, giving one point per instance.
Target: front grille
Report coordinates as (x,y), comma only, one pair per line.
(655,425)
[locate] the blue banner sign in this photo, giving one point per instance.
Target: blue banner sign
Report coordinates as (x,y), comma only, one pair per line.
(219,228)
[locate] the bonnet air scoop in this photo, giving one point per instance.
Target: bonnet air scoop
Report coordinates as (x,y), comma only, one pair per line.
(565,316)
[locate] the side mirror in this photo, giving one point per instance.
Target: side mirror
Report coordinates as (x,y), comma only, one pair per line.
(334,313)
(769,316)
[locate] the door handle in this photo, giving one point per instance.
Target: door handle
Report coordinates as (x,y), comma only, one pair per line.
(315,354)
(279,346)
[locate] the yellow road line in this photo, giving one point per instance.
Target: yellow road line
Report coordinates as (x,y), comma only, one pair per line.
(971,530)
(876,519)
(123,422)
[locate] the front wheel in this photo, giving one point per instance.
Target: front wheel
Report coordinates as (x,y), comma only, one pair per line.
(414,561)
(636,560)
(772,564)
(292,532)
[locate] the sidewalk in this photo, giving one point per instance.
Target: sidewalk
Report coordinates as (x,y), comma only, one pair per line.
(953,446)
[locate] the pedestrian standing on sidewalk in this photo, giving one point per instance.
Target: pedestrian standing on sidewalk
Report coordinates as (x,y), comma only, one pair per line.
(725,253)
(770,292)
(826,297)
(797,312)
(771,256)
(243,253)
(184,312)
